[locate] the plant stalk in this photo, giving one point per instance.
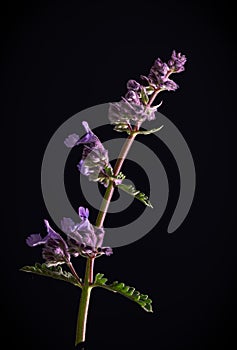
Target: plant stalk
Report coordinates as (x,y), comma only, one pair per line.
(110,189)
(88,281)
(84,302)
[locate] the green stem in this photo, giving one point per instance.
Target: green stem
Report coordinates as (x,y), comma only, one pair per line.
(84,302)
(88,281)
(110,189)
(74,273)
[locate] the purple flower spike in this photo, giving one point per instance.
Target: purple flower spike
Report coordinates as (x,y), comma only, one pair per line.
(177,62)
(55,249)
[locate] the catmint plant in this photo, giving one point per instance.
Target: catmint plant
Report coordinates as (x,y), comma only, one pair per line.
(84,238)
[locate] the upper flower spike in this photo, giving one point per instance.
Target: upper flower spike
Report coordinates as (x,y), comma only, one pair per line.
(177,62)
(135,107)
(55,249)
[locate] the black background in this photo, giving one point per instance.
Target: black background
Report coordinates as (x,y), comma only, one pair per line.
(59,58)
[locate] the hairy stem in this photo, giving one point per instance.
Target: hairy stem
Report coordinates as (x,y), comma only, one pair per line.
(156,92)
(84,302)
(82,314)
(73,271)
(110,189)
(88,281)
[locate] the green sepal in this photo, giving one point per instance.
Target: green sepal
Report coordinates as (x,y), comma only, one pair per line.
(149,90)
(144,96)
(121,127)
(52,271)
(136,194)
(109,170)
(148,132)
(127,291)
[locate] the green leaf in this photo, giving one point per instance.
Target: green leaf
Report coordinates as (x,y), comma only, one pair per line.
(147,132)
(135,193)
(120,176)
(53,271)
(127,291)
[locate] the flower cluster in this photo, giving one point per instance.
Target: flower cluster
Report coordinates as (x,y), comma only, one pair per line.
(55,249)
(135,107)
(177,62)
(95,161)
(158,77)
(82,239)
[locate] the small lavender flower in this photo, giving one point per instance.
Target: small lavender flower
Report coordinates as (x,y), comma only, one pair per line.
(55,249)
(158,76)
(170,85)
(132,96)
(161,67)
(177,62)
(126,112)
(94,157)
(83,237)
(133,85)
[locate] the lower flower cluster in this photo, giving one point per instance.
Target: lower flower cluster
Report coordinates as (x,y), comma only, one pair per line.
(82,239)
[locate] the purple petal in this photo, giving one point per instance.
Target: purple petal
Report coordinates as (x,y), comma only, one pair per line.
(86,126)
(99,231)
(71,140)
(35,239)
(133,85)
(170,85)
(107,250)
(76,236)
(83,213)
(132,96)
(67,225)
(84,170)
(90,136)
(51,233)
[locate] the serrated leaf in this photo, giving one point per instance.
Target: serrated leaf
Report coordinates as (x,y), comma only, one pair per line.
(127,291)
(148,132)
(53,271)
(136,194)
(120,176)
